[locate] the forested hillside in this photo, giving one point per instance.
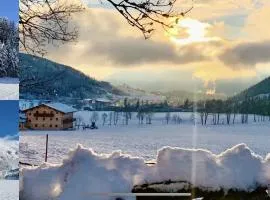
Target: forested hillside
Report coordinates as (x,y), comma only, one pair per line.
(8,48)
(260,89)
(41,78)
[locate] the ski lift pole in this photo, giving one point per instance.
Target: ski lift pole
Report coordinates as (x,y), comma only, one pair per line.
(46,153)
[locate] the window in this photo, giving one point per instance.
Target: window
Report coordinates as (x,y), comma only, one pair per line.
(30,114)
(56,119)
(56,125)
(43,118)
(51,119)
(29,120)
(36,118)
(36,125)
(43,125)
(50,125)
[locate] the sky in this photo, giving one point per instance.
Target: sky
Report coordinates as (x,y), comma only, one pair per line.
(219,47)
(9,117)
(9,9)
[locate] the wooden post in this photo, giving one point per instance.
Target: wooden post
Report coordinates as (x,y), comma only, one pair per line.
(46,153)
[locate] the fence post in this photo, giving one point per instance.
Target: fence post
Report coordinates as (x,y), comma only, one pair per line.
(46,153)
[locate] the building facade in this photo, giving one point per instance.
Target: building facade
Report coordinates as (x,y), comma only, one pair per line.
(97,104)
(51,116)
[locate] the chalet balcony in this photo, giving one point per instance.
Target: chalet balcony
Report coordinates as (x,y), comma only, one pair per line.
(50,115)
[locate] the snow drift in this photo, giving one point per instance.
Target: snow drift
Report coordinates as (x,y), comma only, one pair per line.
(85,172)
(9,156)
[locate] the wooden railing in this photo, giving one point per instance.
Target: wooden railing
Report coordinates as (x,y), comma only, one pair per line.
(43,115)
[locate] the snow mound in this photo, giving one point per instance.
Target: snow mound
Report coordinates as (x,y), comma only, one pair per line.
(9,156)
(9,190)
(84,172)
(237,167)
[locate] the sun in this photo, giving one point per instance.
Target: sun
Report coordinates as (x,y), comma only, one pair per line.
(194,31)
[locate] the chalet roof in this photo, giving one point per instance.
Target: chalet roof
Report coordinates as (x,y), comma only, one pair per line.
(60,107)
(56,106)
(28,104)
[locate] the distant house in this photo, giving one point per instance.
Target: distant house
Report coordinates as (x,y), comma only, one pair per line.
(102,103)
(97,104)
(50,116)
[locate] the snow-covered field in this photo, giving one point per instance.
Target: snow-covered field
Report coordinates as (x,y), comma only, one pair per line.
(9,88)
(145,140)
(9,189)
(206,156)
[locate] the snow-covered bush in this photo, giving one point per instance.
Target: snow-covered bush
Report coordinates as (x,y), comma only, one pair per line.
(9,45)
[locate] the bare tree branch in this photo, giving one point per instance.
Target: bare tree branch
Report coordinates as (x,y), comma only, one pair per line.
(47,21)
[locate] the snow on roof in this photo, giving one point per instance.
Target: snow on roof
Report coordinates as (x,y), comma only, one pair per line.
(103,100)
(61,107)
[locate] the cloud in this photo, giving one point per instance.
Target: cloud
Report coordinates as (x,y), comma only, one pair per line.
(110,49)
(107,40)
(132,51)
(257,24)
(247,55)
(212,71)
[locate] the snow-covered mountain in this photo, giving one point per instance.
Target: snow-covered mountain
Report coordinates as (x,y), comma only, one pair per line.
(138,93)
(9,157)
(174,97)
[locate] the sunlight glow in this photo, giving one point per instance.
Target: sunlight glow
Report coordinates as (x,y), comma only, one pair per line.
(210,91)
(196,32)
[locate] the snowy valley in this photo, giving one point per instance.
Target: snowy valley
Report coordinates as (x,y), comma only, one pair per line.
(184,155)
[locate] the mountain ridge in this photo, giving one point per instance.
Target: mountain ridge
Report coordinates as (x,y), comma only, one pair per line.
(261,88)
(66,82)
